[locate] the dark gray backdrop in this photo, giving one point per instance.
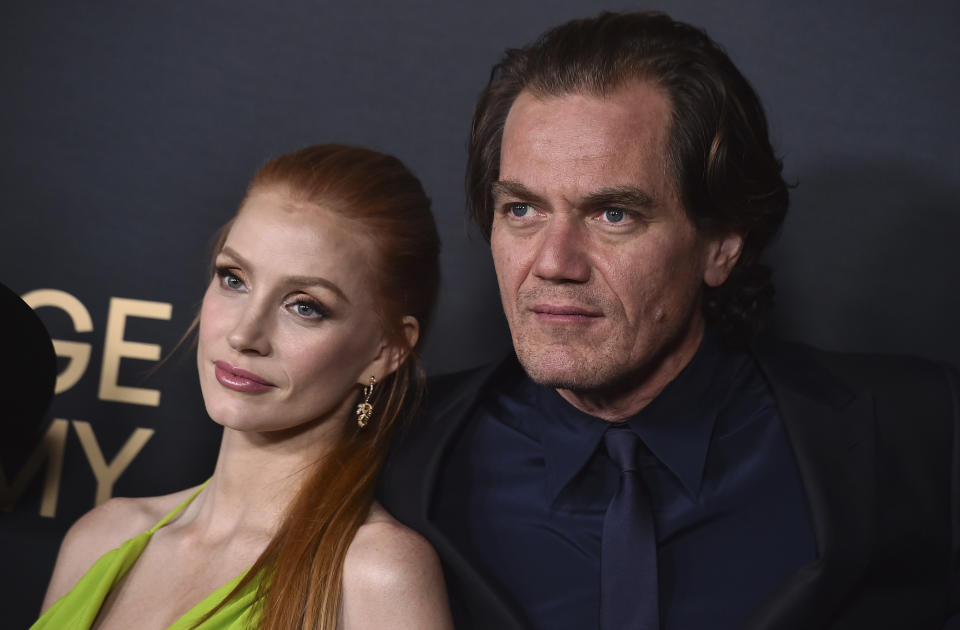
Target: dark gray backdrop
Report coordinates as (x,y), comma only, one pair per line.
(130,129)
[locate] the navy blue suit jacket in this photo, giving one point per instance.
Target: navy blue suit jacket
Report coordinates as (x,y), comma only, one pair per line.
(877,443)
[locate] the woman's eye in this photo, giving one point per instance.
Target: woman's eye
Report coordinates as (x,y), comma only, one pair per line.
(230,280)
(520,210)
(309,310)
(614,215)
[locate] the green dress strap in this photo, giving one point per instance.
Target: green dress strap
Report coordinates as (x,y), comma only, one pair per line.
(78,609)
(176,511)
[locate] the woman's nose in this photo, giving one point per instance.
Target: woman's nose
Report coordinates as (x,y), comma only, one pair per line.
(251,333)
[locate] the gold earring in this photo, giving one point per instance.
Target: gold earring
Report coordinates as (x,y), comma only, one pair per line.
(365,409)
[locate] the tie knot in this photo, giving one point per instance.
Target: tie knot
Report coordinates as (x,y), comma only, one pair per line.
(621,445)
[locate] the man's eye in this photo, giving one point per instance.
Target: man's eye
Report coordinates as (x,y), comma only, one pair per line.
(614,215)
(520,210)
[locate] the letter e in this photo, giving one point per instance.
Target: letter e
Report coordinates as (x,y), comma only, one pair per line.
(116,347)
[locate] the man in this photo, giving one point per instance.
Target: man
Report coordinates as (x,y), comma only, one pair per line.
(648,460)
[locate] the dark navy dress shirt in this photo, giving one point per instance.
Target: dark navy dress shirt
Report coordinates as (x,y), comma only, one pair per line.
(525,489)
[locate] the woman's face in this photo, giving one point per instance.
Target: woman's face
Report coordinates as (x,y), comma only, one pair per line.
(287,327)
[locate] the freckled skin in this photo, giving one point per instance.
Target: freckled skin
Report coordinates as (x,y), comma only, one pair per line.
(253,322)
(270,311)
(638,273)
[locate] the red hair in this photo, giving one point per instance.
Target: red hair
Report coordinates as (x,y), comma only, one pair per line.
(302,566)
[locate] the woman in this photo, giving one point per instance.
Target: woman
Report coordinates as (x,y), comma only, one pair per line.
(323,284)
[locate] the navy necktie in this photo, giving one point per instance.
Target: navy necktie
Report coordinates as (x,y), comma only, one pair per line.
(628,555)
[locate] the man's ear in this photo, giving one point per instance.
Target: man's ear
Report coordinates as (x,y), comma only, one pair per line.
(723,252)
(392,357)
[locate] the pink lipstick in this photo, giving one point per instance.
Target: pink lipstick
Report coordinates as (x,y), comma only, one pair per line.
(234,378)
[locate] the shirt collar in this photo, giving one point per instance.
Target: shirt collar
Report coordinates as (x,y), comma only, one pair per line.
(676,426)
(569,438)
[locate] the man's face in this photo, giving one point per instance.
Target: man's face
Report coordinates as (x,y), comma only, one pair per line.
(600,269)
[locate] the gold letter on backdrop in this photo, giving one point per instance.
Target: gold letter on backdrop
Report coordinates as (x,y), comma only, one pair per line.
(116,347)
(51,449)
(107,474)
(78,353)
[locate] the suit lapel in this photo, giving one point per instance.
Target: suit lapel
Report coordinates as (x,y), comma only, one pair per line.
(421,466)
(832,432)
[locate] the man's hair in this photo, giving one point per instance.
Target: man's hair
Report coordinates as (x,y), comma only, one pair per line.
(719,154)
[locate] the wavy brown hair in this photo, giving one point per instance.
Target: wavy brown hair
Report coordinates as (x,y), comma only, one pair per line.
(719,152)
(302,566)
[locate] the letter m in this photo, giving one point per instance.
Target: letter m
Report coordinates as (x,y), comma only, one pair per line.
(49,450)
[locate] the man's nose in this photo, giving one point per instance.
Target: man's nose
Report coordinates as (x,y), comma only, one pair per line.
(251,332)
(563,254)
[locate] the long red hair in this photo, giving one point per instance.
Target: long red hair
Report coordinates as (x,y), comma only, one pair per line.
(301,568)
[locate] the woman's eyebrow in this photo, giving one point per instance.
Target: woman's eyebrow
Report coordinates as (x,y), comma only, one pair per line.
(296,280)
(318,281)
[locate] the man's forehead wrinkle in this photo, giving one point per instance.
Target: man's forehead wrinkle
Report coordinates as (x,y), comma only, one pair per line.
(584,149)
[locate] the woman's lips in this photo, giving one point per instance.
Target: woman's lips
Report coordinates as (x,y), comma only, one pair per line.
(240,380)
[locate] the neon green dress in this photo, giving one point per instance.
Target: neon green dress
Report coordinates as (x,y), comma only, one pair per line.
(78,609)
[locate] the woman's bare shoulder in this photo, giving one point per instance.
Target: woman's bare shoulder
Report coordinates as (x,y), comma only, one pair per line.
(103,528)
(385,549)
(392,578)
(111,523)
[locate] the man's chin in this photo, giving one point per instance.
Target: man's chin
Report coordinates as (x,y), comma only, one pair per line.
(562,369)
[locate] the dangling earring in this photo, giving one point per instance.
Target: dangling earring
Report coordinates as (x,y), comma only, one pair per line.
(365,409)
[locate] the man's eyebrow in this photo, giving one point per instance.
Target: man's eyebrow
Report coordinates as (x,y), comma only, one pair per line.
(295,280)
(620,196)
(628,196)
(504,188)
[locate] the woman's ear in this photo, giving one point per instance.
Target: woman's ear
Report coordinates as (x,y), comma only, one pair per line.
(411,330)
(392,357)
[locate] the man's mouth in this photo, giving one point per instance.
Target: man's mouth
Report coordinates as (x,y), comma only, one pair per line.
(565,313)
